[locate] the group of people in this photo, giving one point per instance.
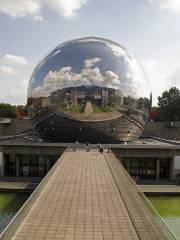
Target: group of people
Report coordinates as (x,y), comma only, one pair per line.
(100,147)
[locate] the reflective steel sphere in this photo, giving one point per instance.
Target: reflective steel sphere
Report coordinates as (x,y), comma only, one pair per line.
(88,89)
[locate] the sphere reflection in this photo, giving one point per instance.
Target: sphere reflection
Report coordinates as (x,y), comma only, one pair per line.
(87,80)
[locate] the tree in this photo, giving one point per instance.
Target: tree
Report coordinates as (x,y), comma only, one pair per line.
(169,105)
(7,111)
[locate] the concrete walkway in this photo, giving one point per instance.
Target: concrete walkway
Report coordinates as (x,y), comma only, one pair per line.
(79,199)
(88,109)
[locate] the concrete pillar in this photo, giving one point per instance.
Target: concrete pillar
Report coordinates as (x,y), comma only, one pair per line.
(157,169)
(1,164)
(17,166)
(171,171)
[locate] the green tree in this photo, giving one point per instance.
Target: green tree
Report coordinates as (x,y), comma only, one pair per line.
(7,111)
(169,105)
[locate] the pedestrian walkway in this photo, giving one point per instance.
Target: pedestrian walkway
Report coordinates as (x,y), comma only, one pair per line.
(88,109)
(79,199)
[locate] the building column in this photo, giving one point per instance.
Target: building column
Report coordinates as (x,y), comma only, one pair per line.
(157,169)
(47,164)
(1,164)
(17,166)
(171,173)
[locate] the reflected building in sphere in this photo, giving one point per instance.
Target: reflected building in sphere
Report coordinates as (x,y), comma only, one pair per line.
(89,89)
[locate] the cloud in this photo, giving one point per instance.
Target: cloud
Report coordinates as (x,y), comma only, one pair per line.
(11,64)
(14,75)
(20,8)
(65,77)
(33,8)
(13,90)
(162,76)
(23,85)
(168,4)
(38,18)
(9,59)
(65,8)
(15,96)
(91,62)
(5,70)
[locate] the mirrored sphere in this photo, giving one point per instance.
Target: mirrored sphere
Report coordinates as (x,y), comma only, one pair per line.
(89,89)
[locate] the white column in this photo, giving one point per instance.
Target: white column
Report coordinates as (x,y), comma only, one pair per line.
(176,165)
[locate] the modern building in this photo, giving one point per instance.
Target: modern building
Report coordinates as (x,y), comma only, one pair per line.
(146,159)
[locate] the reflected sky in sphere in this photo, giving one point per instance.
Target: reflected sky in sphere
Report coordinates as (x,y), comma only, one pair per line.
(91,62)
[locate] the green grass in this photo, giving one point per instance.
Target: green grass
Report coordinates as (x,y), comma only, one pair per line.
(169,209)
(166,205)
(77,108)
(97,109)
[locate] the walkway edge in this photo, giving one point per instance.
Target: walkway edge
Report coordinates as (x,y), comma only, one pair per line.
(140,215)
(18,219)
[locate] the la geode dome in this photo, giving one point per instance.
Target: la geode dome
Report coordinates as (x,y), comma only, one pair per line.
(88,89)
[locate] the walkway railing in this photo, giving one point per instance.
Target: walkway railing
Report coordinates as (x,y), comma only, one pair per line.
(142,213)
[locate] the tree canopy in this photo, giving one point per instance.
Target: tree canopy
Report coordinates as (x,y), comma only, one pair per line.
(7,111)
(169,105)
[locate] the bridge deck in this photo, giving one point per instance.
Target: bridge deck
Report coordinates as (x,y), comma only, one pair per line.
(80,200)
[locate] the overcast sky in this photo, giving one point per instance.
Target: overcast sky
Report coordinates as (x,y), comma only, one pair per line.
(31,28)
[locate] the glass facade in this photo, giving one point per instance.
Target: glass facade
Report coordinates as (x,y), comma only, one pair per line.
(145,168)
(88,79)
(32,166)
(28,165)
